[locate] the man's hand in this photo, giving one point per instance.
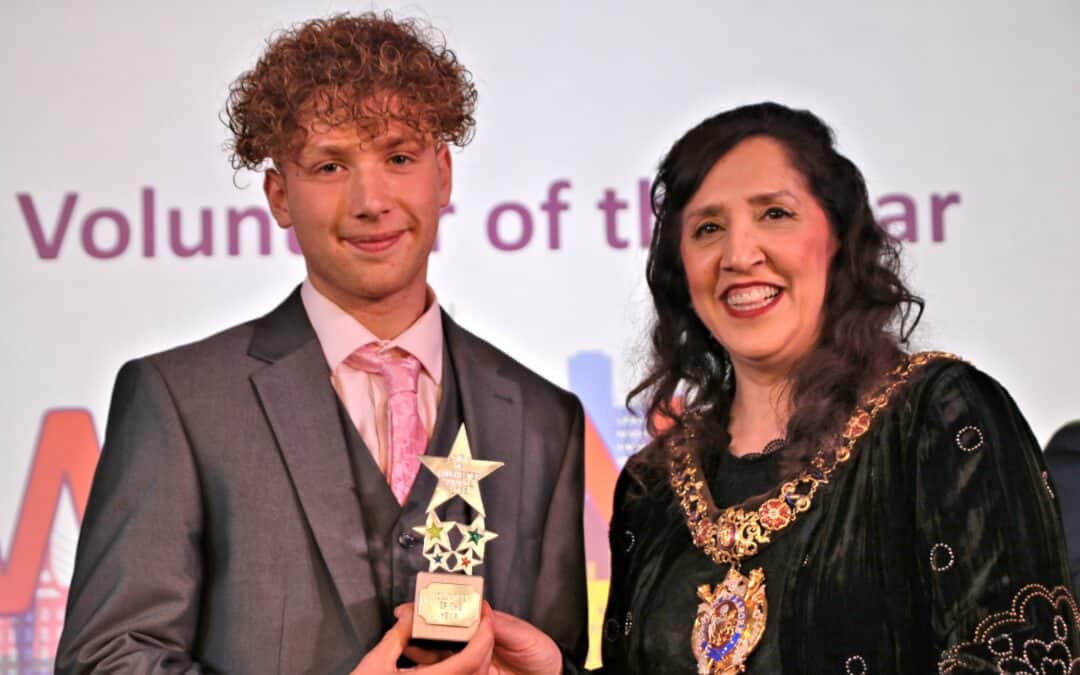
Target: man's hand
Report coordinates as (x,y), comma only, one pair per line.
(523,649)
(474,659)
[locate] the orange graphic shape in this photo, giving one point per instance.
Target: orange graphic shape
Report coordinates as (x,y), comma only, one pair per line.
(67,452)
(601,472)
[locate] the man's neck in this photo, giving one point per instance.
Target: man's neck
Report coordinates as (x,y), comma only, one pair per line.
(386,317)
(386,323)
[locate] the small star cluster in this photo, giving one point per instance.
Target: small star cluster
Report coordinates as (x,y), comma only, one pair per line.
(459,476)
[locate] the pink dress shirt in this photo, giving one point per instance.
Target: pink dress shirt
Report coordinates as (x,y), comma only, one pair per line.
(364,395)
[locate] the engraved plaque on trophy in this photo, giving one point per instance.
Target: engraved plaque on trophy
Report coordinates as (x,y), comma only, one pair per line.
(447,605)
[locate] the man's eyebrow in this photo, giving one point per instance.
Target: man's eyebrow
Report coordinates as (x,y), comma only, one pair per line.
(336,148)
(325,148)
(392,141)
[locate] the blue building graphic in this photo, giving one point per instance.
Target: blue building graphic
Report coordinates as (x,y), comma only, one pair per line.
(592,379)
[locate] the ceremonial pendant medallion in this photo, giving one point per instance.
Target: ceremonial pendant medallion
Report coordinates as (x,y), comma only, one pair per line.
(730,621)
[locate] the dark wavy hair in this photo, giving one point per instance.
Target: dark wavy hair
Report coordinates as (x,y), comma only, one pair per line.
(868,311)
(365,69)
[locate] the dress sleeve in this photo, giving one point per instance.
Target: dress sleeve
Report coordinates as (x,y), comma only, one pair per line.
(622,539)
(989,544)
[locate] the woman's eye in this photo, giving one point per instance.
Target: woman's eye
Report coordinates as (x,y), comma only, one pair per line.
(776,213)
(708,227)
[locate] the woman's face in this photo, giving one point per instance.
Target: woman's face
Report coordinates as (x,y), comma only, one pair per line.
(756,247)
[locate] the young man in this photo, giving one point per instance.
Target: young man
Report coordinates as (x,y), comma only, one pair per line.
(254,505)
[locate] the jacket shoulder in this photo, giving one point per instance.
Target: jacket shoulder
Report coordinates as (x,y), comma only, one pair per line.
(490,356)
(224,348)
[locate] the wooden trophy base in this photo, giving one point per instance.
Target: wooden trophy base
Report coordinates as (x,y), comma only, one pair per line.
(447,607)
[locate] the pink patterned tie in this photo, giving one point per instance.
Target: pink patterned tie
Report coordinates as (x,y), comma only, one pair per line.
(408,438)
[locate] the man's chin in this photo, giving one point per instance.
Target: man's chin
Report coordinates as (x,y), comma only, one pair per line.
(385,291)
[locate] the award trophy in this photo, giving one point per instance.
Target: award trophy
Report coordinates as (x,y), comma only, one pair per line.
(448,604)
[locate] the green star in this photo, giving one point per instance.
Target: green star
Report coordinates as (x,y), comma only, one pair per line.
(475,537)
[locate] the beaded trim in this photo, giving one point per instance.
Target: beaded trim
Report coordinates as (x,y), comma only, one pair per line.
(728,536)
(935,557)
(973,446)
(855,661)
(1012,638)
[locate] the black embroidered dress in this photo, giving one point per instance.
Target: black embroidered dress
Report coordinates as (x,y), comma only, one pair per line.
(936,548)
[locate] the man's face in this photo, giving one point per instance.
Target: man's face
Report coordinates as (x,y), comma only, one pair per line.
(365,210)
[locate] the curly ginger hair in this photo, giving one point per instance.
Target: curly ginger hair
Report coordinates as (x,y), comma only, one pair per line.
(366,70)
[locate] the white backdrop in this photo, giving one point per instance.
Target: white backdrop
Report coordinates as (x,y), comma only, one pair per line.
(104,101)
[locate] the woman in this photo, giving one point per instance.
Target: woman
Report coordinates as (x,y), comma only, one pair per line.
(815,500)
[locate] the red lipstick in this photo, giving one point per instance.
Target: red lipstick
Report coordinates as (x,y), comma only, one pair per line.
(755,311)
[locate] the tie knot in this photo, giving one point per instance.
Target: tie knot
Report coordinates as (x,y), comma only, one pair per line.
(399,369)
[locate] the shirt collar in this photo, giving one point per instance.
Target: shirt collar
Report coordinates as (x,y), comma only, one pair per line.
(340,334)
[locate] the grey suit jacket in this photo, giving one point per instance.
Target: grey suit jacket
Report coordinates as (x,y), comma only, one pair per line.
(223,532)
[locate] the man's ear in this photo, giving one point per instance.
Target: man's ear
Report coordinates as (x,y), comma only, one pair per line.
(446,173)
(274,188)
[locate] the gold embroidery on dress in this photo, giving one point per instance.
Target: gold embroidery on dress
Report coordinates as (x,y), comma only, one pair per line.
(1019,640)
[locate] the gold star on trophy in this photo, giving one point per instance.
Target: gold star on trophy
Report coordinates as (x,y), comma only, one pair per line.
(459,474)
(448,605)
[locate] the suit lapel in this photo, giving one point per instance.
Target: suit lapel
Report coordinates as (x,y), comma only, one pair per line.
(492,409)
(301,407)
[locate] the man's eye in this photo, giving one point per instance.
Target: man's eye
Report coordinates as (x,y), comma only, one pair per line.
(776,213)
(400,160)
(329,167)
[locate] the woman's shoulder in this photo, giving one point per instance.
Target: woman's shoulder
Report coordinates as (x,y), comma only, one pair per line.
(945,369)
(951,405)
(947,386)
(644,473)
(643,483)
